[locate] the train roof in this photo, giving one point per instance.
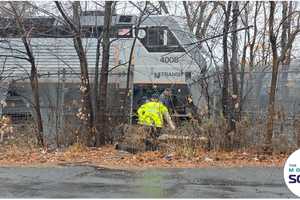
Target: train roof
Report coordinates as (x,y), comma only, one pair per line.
(93,19)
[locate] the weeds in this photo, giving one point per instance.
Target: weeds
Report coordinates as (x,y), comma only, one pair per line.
(76,148)
(205,135)
(6,128)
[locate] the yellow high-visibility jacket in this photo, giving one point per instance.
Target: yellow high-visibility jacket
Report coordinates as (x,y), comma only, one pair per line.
(152,114)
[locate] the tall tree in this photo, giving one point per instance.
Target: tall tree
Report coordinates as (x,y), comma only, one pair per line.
(225,89)
(275,65)
(25,36)
(131,55)
(102,115)
(245,21)
(96,74)
(164,7)
(287,8)
(86,112)
(276,60)
(234,61)
(199,16)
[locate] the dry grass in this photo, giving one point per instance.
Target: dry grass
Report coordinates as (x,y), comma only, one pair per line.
(107,156)
(187,151)
(76,148)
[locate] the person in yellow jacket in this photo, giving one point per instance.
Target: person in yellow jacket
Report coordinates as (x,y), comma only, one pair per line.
(153,113)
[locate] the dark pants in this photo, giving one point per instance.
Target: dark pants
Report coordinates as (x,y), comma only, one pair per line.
(155,132)
(151,140)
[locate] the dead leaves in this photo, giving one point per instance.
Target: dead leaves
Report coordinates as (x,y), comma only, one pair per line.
(109,157)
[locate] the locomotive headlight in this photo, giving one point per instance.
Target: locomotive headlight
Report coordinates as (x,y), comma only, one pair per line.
(141,33)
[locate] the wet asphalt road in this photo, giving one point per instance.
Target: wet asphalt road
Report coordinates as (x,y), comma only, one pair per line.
(90,182)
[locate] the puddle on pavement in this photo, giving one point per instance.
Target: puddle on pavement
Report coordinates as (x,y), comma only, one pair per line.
(149,184)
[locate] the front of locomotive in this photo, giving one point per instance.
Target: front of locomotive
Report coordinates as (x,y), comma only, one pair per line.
(166,58)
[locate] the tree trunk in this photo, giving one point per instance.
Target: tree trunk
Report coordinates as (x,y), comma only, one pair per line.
(234,64)
(275,65)
(188,16)
(286,29)
(129,69)
(225,90)
(252,52)
(36,102)
(207,21)
(265,52)
(102,115)
(85,89)
(35,93)
(86,113)
(200,19)
(164,7)
(96,73)
(243,63)
(33,77)
(276,60)
(252,44)
(225,63)
(128,79)
(96,79)
(204,87)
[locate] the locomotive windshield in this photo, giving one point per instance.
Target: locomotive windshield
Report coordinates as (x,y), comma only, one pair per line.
(160,39)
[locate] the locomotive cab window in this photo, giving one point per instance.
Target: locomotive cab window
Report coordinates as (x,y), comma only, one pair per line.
(125,18)
(160,39)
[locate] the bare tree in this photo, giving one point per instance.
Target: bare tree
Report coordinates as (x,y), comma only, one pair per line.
(96,78)
(199,15)
(276,60)
(16,10)
(129,68)
(97,64)
(259,61)
(287,7)
(254,37)
(234,61)
(86,112)
(164,6)
(225,89)
(204,22)
(102,116)
(243,60)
